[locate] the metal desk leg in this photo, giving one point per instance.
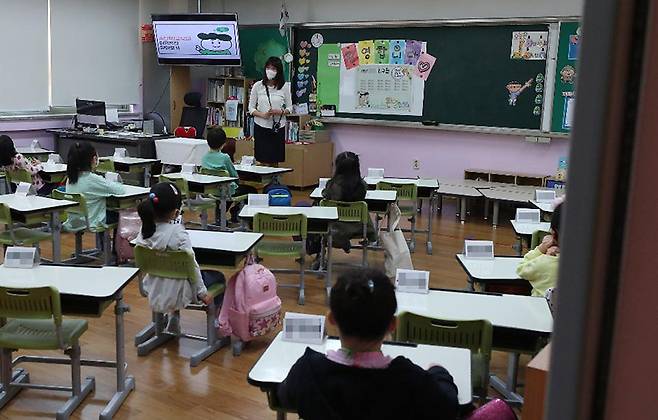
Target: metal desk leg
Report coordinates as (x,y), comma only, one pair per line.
(329,279)
(496,209)
(147,176)
(55,228)
(508,389)
(222,206)
(486,208)
(462,209)
(125,383)
(432,204)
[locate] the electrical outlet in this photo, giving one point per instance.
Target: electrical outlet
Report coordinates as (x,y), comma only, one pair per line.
(415,164)
(531,139)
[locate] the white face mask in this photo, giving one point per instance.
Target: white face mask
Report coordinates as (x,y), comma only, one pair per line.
(271,74)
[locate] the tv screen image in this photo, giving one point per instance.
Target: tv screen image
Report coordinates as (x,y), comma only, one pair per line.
(193,39)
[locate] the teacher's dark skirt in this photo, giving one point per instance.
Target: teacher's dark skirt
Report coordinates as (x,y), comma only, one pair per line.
(269,147)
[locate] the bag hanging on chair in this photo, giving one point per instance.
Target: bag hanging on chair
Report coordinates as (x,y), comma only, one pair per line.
(396,250)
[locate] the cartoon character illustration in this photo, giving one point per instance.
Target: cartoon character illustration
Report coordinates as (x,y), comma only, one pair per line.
(515,89)
(364,99)
(568,74)
(214,44)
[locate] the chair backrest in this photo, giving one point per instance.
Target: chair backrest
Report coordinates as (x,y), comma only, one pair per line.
(214,172)
(181,183)
(80,209)
(169,264)
(105,165)
(405,191)
(5,215)
(194,117)
(537,237)
(281,225)
(19,175)
(32,303)
(356,211)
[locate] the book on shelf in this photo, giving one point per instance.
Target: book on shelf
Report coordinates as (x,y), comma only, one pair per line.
(216,91)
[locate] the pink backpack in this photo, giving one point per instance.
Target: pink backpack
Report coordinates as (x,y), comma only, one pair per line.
(251,307)
(129,226)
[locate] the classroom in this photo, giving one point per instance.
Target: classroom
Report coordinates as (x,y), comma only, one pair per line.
(328,210)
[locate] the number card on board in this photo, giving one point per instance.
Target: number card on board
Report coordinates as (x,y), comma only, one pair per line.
(528,215)
(21,257)
(479,249)
(258,200)
(545,196)
(412,281)
(303,328)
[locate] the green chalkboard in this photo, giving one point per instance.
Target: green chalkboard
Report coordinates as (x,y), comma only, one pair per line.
(468,85)
(257,44)
(565,77)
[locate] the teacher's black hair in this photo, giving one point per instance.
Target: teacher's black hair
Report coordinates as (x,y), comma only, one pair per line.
(279,80)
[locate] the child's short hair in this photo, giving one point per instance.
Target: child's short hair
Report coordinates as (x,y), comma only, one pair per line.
(363,303)
(7,150)
(216,138)
(164,198)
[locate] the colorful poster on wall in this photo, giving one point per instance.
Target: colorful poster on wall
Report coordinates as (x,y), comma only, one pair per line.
(412,52)
(529,45)
(350,56)
(384,88)
(424,65)
(565,77)
(328,74)
(382,54)
(397,49)
(366,52)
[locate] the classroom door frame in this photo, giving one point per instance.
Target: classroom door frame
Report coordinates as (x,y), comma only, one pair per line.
(602,359)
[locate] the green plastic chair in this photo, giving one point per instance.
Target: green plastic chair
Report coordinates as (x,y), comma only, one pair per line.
(283,227)
(19,175)
(19,236)
(32,320)
(407,199)
(196,204)
(81,212)
(473,335)
(178,265)
(353,212)
(537,237)
(105,165)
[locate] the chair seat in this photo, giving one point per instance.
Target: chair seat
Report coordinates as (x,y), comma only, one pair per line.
(280,248)
(24,236)
(407,210)
(95,229)
(39,334)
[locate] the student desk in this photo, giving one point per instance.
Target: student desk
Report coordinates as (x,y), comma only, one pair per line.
(460,190)
(511,194)
(136,144)
(53,172)
(208,184)
(273,366)
(426,190)
(129,199)
(35,152)
(377,200)
(260,174)
(544,207)
(525,230)
(178,150)
(82,297)
(217,250)
(498,269)
(134,164)
(319,220)
(34,209)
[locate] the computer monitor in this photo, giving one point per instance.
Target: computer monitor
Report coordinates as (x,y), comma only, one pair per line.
(90,113)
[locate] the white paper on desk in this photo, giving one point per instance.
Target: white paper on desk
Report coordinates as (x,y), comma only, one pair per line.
(232,110)
(258,200)
(113,177)
(54,158)
(303,328)
(544,196)
(188,168)
(35,145)
(528,215)
(21,257)
(322,183)
(112,115)
(412,281)
(479,249)
(120,152)
(24,189)
(247,160)
(375,172)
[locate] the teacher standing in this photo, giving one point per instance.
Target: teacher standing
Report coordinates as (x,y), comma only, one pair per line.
(269,103)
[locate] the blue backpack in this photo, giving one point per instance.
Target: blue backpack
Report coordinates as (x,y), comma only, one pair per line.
(279,195)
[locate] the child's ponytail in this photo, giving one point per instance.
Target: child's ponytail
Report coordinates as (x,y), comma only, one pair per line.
(162,201)
(147,214)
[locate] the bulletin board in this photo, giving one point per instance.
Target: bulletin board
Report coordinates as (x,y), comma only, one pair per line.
(564,99)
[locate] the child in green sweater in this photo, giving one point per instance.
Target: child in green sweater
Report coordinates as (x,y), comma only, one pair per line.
(540,266)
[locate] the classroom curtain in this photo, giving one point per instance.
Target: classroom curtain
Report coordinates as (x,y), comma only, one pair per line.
(24,55)
(95,51)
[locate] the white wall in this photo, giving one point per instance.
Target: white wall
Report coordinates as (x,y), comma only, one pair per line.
(302,11)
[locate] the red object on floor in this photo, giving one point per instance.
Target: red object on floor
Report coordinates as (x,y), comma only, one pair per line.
(187,132)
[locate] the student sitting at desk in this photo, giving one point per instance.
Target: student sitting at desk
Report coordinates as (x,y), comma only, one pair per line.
(11,160)
(82,159)
(359,381)
(540,266)
(160,231)
(215,159)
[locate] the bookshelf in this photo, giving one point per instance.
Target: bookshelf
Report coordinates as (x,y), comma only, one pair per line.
(228,98)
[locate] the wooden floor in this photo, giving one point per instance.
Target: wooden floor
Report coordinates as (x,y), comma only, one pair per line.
(166,386)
